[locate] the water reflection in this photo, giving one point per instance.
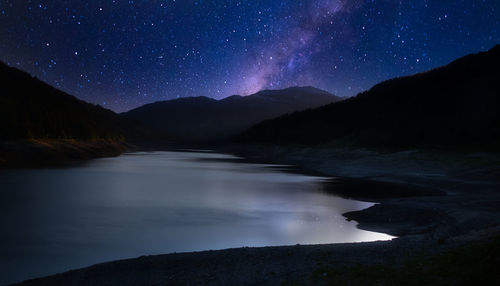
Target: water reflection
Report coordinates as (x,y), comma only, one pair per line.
(152,203)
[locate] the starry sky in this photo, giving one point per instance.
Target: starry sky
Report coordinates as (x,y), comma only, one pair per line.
(124,53)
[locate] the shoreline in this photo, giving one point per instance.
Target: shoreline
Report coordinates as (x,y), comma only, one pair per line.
(428,225)
(429,185)
(369,263)
(441,195)
(41,153)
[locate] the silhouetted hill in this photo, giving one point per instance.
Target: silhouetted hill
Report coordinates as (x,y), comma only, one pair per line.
(195,119)
(32,109)
(457,105)
(41,125)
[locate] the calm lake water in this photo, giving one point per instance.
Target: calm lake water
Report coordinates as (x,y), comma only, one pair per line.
(53,220)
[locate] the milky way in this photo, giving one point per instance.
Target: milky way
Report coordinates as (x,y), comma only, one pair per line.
(279,61)
(122,54)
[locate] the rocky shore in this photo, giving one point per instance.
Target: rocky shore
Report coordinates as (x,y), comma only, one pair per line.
(411,260)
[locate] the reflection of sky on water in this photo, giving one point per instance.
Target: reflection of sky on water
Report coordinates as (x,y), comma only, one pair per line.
(152,203)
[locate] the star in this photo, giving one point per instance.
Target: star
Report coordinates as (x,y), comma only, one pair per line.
(170,49)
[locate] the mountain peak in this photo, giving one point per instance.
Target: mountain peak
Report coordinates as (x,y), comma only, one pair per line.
(206,119)
(293,90)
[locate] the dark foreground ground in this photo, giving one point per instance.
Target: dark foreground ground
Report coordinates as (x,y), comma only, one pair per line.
(405,261)
(446,210)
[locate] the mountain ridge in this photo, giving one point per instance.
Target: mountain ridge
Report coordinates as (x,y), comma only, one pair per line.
(202,119)
(454,105)
(262,93)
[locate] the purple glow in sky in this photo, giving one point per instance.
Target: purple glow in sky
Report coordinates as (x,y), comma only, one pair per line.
(122,54)
(281,58)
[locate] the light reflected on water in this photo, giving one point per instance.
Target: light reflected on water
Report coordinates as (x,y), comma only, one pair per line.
(53,220)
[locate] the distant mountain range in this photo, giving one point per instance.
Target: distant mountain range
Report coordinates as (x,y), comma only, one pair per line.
(457,105)
(202,119)
(32,109)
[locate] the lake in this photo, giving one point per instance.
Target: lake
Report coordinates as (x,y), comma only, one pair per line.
(54,220)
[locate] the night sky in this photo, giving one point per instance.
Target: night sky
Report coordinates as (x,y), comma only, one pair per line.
(122,54)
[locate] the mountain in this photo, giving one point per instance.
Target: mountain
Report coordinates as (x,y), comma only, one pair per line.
(32,109)
(195,119)
(457,105)
(41,125)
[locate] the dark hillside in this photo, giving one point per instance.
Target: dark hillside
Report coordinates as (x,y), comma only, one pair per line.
(456,105)
(32,109)
(202,119)
(41,125)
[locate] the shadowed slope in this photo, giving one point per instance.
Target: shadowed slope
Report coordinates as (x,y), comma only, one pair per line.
(40,124)
(457,105)
(205,119)
(30,108)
